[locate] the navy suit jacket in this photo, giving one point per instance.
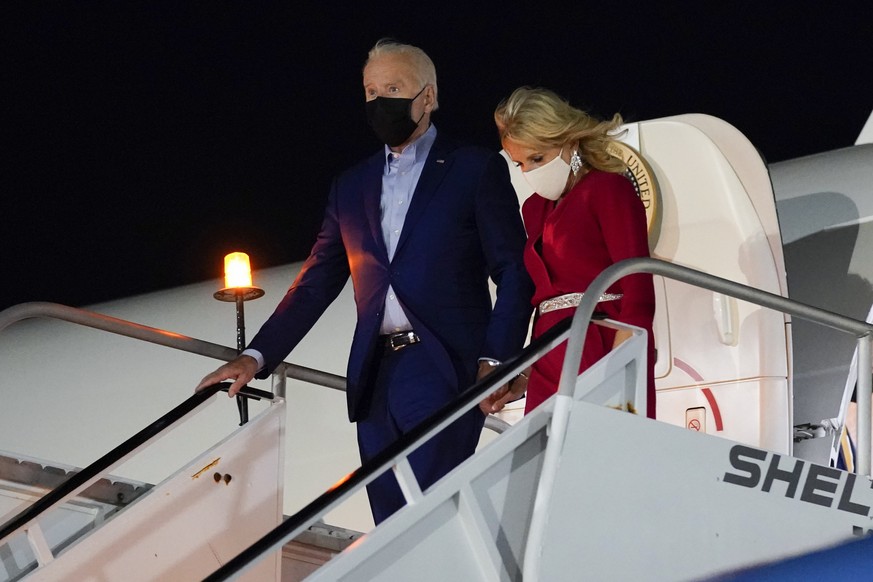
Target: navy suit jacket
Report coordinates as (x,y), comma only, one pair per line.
(463,225)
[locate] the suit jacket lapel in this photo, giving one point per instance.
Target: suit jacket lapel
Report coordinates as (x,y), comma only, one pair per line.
(435,168)
(372,199)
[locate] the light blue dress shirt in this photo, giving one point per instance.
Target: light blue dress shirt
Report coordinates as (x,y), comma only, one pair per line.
(399,179)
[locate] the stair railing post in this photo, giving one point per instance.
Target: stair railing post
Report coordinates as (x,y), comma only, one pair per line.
(863,399)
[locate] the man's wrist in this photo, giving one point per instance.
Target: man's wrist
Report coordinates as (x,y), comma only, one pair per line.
(256,356)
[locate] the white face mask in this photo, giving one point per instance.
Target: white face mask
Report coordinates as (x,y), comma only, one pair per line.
(549,180)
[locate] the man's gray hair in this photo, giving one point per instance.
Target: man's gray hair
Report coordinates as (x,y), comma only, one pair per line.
(424,67)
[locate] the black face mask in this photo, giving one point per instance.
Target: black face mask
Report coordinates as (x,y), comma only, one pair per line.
(390,118)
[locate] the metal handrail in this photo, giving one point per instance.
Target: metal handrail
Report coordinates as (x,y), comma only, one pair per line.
(41,309)
(297,523)
(82,479)
(573,357)
(46,310)
(573,330)
(181,342)
(863,331)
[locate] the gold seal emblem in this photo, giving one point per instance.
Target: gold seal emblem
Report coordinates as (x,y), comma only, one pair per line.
(642,177)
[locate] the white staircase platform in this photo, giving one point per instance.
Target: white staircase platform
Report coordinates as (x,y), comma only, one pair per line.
(190,524)
(628,498)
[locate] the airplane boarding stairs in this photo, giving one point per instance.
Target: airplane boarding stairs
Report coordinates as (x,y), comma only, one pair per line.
(59,522)
(580,491)
(181,529)
(25,480)
(576,490)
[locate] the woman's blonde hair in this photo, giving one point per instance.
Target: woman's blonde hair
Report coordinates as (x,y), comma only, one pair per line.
(540,118)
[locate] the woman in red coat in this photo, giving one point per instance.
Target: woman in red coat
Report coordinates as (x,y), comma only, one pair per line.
(584,217)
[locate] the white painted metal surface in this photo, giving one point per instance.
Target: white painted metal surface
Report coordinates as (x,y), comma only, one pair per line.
(725,358)
(825,205)
(203,515)
(58,527)
(730,505)
(71,393)
(866,135)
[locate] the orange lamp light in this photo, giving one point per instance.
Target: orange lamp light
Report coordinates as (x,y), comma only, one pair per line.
(237,270)
(238,279)
(238,288)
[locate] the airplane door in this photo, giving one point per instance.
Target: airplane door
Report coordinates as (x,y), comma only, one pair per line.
(723,364)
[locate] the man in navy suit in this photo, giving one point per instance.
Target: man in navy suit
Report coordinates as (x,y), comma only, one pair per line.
(420,226)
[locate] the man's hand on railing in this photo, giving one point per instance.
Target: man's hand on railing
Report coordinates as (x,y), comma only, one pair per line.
(507,393)
(241,371)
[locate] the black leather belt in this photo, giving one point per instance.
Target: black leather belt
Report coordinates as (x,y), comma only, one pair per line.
(397,341)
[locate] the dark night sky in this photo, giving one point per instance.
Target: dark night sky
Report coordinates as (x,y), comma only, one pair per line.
(143,141)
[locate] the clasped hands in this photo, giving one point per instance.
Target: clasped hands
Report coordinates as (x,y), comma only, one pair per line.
(512,390)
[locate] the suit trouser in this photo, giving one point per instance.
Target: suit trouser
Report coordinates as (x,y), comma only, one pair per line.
(408,389)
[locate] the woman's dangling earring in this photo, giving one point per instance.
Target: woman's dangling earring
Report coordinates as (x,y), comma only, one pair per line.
(575,162)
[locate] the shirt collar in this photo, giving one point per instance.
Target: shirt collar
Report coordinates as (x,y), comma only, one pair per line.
(417,150)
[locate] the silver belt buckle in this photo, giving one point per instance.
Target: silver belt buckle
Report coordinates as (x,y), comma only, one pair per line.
(398,341)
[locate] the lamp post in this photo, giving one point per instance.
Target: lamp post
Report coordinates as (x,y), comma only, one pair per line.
(239,289)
